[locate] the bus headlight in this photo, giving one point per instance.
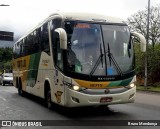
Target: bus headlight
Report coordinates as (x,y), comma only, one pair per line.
(76,88)
(131,85)
(73,87)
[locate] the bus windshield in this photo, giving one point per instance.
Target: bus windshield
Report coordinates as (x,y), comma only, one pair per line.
(96,49)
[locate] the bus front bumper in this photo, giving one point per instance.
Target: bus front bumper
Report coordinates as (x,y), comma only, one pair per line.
(76,99)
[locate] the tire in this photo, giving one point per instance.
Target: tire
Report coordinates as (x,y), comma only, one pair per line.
(48,100)
(3,84)
(20,91)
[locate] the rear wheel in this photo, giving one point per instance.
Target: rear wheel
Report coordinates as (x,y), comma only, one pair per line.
(20,91)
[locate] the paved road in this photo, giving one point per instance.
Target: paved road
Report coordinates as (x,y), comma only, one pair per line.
(15,107)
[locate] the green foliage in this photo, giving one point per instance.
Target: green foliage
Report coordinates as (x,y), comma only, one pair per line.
(139,60)
(6,58)
(153,63)
(138,22)
(8,65)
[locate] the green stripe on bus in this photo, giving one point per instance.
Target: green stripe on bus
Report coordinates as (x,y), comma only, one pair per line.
(121,83)
(126,81)
(33,66)
(115,83)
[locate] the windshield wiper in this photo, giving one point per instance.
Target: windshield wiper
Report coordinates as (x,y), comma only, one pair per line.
(101,55)
(100,58)
(112,60)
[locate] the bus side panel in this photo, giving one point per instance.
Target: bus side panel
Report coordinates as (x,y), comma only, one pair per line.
(47,72)
(20,71)
(58,93)
(44,74)
(33,69)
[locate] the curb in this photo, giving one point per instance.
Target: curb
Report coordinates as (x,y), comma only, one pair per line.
(147,91)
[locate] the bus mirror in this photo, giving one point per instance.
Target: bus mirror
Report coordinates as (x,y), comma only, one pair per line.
(62,38)
(142,40)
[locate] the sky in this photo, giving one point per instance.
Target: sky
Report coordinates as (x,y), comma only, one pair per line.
(22,15)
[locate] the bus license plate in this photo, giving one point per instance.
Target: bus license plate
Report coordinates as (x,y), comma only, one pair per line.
(105,99)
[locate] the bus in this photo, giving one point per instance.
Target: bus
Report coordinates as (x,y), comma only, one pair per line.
(77,59)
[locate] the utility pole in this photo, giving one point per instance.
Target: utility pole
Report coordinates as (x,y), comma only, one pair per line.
(146,54)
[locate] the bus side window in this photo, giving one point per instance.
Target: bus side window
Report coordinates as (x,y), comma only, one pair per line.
(59,56)
(25,46)
(36,43)
(16,51)
(45,39)
(30,44)
(21,49)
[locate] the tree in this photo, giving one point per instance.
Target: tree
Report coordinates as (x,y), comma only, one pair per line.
(138,22)
(5,58)
(154,63)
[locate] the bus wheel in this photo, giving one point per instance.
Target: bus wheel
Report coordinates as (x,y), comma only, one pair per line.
(3,84)
(48,99)
(20,92)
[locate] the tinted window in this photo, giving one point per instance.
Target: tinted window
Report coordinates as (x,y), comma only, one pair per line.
(35,42)
(45,38)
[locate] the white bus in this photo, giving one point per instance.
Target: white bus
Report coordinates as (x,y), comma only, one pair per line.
(77,59)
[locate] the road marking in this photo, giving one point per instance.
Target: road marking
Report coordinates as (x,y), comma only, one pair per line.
(3,98)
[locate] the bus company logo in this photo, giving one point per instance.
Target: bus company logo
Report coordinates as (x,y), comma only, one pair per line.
(45,62)
(58,95)
(106,78)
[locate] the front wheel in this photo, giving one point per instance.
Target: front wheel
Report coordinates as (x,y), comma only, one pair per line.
(48,100)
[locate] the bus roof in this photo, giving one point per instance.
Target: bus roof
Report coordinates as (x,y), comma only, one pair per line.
(91,17)
(88,17)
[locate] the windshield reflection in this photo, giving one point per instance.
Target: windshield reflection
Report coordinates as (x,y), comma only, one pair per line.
(88,53)
(83,47)
(118,39)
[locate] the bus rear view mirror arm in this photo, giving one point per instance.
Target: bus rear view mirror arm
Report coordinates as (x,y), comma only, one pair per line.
(62,38)
(142,40)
